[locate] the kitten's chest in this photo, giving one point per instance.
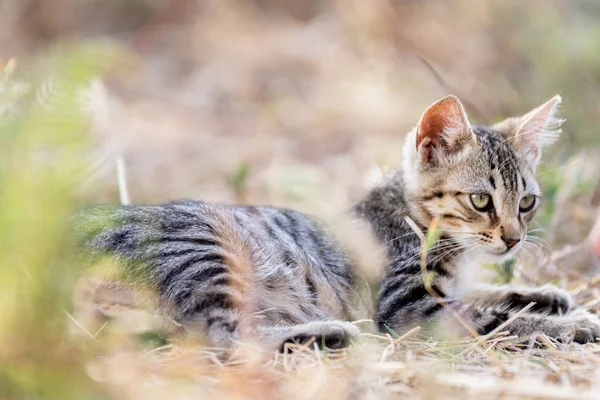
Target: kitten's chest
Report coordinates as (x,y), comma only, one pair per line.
(468,273)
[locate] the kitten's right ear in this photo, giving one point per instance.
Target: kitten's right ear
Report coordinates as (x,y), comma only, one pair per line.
(533,131)
(443,132)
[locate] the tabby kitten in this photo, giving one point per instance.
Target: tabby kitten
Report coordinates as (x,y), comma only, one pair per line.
(480,183)
(276,275)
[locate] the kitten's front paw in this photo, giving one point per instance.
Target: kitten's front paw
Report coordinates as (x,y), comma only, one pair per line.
(586,326)
(553,300)
(548,299)
(329,334)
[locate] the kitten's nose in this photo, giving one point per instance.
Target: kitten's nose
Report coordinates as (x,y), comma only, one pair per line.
(510,242)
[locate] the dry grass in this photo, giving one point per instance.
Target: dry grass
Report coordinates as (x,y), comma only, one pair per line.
(377,366)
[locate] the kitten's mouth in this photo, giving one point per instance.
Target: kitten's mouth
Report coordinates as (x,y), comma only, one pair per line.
(495,255)
(505,253)
(515,249)
(498,253)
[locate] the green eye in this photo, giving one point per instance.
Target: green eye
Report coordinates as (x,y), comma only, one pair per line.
(482,201)
(527,203)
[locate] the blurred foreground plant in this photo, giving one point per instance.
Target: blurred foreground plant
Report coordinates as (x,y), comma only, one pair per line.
(43,137)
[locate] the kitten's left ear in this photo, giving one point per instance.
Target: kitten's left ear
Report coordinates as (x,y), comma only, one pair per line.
(534,130)
(443,132)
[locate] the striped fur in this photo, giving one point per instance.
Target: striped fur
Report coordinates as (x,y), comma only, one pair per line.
(445,161)
(235,273)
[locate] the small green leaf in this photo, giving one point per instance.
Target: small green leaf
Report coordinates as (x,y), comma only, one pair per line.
(239,178)
(505,271)
(324,350)
(433,234)
(392,332)
(429,278)
(151,340)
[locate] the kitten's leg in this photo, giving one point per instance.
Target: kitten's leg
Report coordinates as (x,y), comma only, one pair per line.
(409,303)
(579,326)
(404,301)
(548,299)
(215,292)
(331,334)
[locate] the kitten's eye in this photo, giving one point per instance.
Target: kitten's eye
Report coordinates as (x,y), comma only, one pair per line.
(482,201)
(527,203)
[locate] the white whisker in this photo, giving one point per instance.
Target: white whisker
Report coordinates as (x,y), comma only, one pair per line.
(537,230)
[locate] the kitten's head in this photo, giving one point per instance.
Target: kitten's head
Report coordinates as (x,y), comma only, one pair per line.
(479,180)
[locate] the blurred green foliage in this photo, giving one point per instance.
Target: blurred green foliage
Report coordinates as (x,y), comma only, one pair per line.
(239,180)
(504,271)
(151,340)
(43,132)
(574,176)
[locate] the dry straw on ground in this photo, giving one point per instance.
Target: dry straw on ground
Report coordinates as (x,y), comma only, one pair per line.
(377,366)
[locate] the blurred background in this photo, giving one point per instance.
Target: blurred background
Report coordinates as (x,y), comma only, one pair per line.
(296,103)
